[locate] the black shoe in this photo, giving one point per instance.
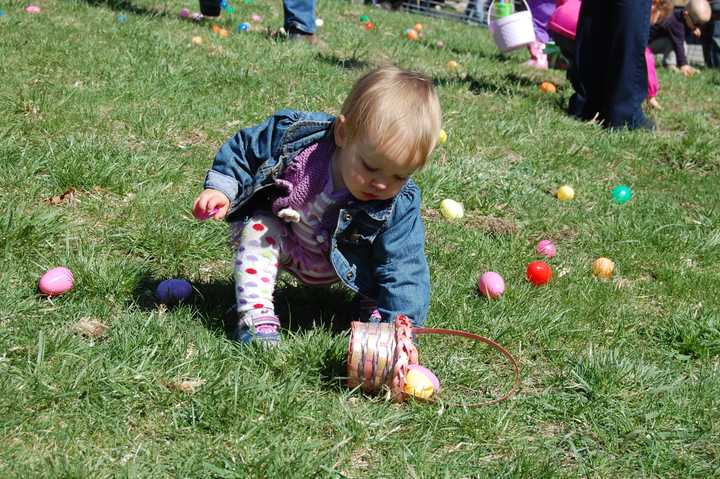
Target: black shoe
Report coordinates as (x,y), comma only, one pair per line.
(309,38)
(210,8)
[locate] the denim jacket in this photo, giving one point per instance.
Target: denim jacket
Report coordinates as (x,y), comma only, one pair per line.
(377,248)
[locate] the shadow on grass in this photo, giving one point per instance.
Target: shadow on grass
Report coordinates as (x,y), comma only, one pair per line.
(507,85)
(126,6)
(300,308)
(350,63)
(495,57)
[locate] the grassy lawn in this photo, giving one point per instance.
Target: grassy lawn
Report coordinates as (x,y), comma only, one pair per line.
(620,378)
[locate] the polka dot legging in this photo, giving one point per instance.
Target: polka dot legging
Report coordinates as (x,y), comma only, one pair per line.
(257,245)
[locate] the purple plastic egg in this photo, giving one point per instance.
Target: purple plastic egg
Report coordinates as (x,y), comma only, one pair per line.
(546,248)
(173,291)
(491,285)
(56,282)
(184,13)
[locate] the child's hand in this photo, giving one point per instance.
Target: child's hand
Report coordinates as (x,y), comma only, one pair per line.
(211,200)
(653,103)
(687,70)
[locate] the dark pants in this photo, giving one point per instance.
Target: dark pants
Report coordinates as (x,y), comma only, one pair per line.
(711,44)
(610,79)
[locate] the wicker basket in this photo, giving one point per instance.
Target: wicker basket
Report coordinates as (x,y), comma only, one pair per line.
(379,355)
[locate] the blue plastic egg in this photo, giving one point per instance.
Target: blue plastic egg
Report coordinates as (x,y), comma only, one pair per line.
(243,27)
(173,291)
(121,18)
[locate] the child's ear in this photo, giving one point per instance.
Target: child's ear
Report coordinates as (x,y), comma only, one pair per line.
(340,131)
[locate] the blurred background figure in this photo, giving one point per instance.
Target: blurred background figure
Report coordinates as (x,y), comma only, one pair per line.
(711,37)
(541,11)
(611,82)
(668,32)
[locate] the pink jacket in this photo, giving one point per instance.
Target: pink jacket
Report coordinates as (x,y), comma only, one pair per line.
(565,19)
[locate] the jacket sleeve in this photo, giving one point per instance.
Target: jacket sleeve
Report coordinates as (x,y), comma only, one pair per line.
(401,269)
(676,32)
(237,161)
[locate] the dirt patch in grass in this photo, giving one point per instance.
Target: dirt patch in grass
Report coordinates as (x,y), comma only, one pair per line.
(490,224)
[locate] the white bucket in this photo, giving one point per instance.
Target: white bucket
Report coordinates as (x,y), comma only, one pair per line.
(513,31)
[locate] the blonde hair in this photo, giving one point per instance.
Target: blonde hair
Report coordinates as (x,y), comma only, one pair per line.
(397,111)
(699,12)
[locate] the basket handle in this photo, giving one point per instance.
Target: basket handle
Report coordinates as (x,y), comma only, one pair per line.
(516,369)
(490,9)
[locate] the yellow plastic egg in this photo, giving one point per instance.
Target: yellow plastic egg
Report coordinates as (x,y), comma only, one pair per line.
(197,40)
(565,193)
(452,65)
(603,268)
(451,209)
(420,382)
(442,137)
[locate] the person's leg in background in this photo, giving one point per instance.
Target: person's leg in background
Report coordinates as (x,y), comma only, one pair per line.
(627,81)
(653,83)
(612,74)
(568,47)
(590,61)
(541,11)
(299,17)
(711,37)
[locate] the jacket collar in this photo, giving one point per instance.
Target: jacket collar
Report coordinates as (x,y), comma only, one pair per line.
(379,210)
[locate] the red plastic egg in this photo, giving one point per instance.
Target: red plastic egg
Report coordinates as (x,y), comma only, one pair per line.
(539,273)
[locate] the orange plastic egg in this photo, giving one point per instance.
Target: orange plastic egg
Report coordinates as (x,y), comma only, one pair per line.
(603,268)
(412,34)
(547,87)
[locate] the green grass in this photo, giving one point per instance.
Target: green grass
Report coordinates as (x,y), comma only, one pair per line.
(619,378)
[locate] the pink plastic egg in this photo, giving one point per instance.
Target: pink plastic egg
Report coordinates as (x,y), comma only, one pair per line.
(56,282)
(491,285)
(546,248)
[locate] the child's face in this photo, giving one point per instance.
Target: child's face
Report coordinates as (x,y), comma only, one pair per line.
(367,173)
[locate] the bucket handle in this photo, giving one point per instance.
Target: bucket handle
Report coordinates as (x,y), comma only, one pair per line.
(490,9)
(516,369)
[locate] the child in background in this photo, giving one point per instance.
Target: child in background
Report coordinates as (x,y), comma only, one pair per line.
(541,11)
(661,10)
(681,22)
(330,199)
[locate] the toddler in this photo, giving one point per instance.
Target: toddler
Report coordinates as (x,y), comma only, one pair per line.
(541,11)
(681,22)
(330,198)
